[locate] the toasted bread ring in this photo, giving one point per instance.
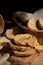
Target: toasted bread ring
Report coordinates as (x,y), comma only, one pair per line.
(25,39)
(1,24)
(20,48)
(9,34)
(28,52)
(32,25)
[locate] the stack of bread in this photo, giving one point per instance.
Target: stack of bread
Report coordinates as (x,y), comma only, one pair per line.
(25,39)
(25,45)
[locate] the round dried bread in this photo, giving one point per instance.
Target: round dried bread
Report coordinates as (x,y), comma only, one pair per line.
(9,33)
(25,40)
(32,25)
(28,52)
(1,24)
(19,48)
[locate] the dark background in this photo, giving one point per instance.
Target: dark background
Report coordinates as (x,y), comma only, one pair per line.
(7,7)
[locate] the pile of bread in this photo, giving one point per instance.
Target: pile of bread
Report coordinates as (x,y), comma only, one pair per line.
(25,44)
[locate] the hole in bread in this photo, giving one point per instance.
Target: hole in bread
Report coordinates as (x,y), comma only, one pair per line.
(37,25)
